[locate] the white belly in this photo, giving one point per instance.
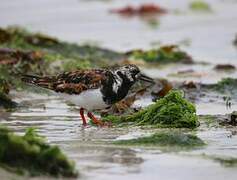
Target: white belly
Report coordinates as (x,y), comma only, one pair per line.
(90,99)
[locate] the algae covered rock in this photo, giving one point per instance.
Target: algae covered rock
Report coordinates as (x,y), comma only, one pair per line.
(19,38)
(30,153)
(177,139)
(173,110)
(164,54)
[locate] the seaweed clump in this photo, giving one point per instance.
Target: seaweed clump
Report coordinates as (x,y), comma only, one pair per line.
(171,111)
(165,139)
(30,153)
(164,54)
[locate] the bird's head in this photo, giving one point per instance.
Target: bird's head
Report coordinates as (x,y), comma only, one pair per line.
(132,73)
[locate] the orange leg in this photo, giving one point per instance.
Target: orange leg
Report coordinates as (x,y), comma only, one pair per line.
(83,117)
(95,120)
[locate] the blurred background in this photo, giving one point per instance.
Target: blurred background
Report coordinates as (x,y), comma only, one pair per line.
(206,31)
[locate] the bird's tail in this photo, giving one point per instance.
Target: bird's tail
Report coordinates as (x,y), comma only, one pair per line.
(44,82)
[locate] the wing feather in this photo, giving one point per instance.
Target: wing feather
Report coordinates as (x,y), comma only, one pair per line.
(69,82)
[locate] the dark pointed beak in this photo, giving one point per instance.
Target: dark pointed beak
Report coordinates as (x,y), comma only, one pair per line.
(145,78)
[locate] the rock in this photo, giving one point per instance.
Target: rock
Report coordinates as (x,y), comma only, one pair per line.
(224,67)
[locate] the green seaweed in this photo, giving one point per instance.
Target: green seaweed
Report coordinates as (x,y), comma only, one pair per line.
(30,153)
(72,64)
(172,111)
(171,138)
(225,85)
(164,54)
(199,5)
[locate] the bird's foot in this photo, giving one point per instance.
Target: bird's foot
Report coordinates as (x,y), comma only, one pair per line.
(94,119)
(97,121)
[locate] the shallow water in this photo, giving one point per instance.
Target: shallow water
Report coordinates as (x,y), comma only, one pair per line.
(61,125)
(210,36)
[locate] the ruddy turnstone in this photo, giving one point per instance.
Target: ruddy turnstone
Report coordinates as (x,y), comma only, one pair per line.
(91,89)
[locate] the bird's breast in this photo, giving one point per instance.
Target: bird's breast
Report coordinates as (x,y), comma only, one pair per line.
(90,99)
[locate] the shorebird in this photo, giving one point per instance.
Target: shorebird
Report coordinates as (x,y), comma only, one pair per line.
(91,89)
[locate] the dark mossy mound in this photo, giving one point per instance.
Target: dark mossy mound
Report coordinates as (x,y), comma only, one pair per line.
(165,139)
(165,54)
(171,111)
(225,67)
(32,154)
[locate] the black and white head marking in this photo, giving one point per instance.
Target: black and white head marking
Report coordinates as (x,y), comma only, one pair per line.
(119,82)
(127,74)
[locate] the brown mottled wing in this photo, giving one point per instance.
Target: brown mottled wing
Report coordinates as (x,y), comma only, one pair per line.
(70,82)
